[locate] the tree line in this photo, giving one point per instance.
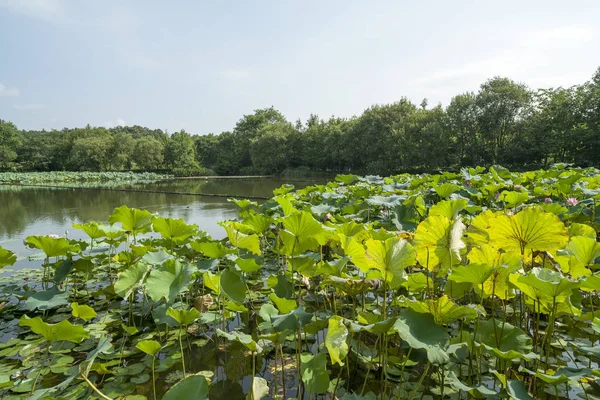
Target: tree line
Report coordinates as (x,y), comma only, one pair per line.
(504,122)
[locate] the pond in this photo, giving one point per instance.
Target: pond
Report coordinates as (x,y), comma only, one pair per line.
(45,210)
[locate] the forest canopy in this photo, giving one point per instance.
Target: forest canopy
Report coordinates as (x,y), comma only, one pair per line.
(504,122)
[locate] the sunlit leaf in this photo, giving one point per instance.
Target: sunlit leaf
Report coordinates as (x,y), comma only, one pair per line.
(64,330)
(335,341)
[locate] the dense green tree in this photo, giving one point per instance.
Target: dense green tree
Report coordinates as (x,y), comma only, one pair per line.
(248,128)
(10,139)
(121,151)
(269,150)
(180,151)
(149,153)
(501,104)
(91,153)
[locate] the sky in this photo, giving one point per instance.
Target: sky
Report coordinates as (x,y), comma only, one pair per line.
(201,65)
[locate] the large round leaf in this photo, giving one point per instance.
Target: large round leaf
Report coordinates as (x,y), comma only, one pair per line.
(193,387)
(530,229)
(7,257)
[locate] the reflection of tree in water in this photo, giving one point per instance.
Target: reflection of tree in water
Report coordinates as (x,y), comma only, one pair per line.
(23,206)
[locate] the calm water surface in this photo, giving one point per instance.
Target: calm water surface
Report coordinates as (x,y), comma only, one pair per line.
(26,211)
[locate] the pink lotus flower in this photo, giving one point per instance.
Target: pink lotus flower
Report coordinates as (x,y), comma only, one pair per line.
(572,201)
(547,200)
(518,188)
(468,183)
(328,216)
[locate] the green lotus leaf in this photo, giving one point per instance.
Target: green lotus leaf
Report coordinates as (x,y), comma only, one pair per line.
(242,338)
(243,203)
(335,341)
(174,230)
(562,375)
(248,265)
(390,257)
(233,285)
(346,179)
(211,249)
(473,273)
(530,229)
(292,321)
(132,219)
(545,285)
(286,205)
(479,230)
(444,310)
(420,331)
(446,189)
(284,306)
(52,247)
(170,279)
(92,229)
(582,230)
(503,336)
(82,311)
(64,330)
(438,242)
(7,257)
(585,250)
(212,281)
(183,317)
(150,347)
(47,299)
(478,392)
(591,283)
(258,222)
(385,201)
(514,199)
(449,208)
(241,240)
(130,279)
(258,389)
(517,391)
(156,257)
(193,387)
(314,372)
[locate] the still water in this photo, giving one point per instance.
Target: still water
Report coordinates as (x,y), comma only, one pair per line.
(26,211)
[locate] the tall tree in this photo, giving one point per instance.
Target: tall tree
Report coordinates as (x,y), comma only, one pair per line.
(501,104)
(10,139)
(180,151)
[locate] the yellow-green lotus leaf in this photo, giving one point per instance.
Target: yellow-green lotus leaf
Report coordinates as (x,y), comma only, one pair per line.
(530,229)
(438,242)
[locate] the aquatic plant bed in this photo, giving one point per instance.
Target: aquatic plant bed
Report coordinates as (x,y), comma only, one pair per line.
(64,177)
(479,284)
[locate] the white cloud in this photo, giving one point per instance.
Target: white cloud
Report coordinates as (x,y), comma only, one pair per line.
(8,92)
(540,59)
(29,107)
(113,124)
(45,10)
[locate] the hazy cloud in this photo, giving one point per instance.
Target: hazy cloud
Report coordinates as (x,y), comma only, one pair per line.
(29,107)
(113,124)
(45,10)
(8,92)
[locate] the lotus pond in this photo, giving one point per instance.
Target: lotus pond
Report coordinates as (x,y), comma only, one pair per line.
(478,284)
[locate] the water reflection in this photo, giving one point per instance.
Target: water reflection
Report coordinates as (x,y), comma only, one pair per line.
(28,211)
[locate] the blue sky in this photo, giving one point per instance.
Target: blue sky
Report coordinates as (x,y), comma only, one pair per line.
(201,65)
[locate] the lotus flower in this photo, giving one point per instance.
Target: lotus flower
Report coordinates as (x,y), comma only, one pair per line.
(572,201)
(518,188)
(547,200)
